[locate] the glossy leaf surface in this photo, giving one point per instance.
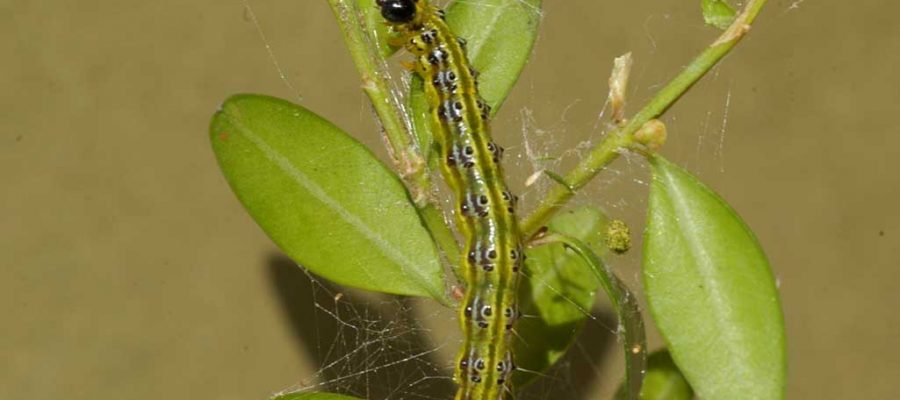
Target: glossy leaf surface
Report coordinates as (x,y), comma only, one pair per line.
(500,35)
(323,198)
(711,291)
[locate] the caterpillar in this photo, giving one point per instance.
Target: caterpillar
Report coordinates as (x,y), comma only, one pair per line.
(485,214)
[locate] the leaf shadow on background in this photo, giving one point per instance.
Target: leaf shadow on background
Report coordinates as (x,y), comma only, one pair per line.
(596,342)
(367,352)
(322,339)
(577,372)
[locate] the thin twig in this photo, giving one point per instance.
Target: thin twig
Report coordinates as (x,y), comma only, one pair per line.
(623,138)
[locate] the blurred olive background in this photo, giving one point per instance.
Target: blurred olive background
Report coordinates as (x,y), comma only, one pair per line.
(129,270)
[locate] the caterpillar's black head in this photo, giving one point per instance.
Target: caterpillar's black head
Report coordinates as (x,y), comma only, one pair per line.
(398,11)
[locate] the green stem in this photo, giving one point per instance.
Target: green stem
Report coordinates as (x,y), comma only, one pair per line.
(398,134)
(375,84)
(623,138)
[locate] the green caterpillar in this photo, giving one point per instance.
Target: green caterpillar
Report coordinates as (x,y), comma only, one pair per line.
(493,250)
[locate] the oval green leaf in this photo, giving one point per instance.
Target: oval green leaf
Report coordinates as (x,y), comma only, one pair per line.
(711,291)
(500,35)
(663,380)
(313,396)
(324,198)
(556,293)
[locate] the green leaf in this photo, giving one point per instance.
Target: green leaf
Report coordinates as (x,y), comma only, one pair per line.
(313,396)
(556,293)
(324,198)
(718,13)
(631,325)
(500,36)
(663,380)
(711,291)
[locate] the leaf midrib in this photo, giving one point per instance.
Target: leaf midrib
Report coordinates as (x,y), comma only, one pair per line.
(389,251)
(704,266)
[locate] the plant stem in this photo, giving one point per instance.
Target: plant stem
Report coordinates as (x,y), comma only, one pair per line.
(398,134)
(623,138)
(371,66)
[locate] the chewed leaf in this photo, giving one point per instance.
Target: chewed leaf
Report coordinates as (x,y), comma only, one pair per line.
(556,293)
(324,198)
(663,380)
(631,324)
(718,13)
(711,291)
(500,35)
(313,396)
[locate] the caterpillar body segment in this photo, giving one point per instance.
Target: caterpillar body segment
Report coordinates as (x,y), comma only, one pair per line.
(485,210)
